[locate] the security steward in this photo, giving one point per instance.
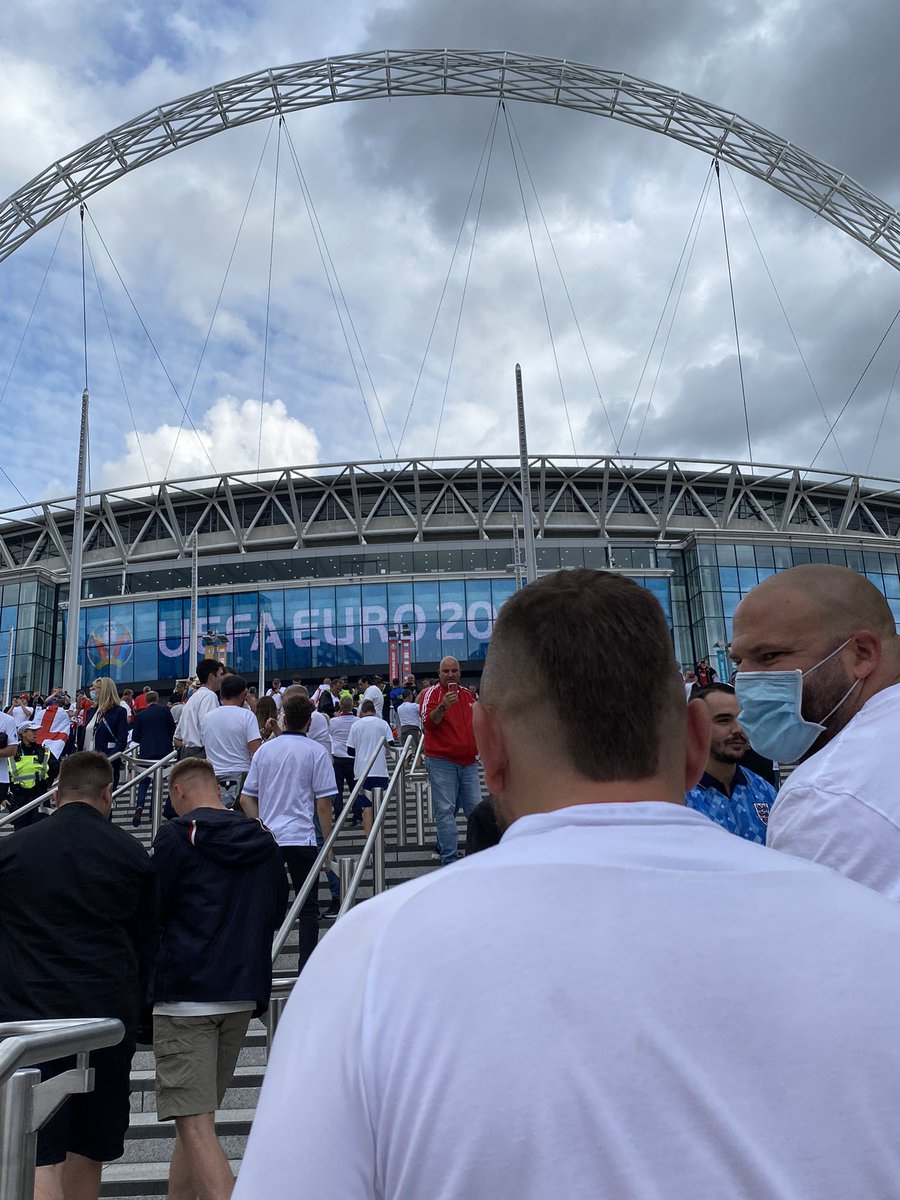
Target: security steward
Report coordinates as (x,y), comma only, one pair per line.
(28,773)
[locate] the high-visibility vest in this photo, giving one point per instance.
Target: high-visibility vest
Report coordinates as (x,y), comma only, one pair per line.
(29,767)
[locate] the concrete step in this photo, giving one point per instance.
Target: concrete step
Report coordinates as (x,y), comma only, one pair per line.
(149,1140)
(140,1181)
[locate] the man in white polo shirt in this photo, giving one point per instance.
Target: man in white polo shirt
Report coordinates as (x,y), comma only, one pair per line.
(373,693)
(231,737)
(362,740)
(188,738)
(819,680)
(600,1056)
(290,778)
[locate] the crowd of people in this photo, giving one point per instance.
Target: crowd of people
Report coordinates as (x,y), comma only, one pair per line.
(711,1016)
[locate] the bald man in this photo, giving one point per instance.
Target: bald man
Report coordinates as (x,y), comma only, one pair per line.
(450,754)
(818,681)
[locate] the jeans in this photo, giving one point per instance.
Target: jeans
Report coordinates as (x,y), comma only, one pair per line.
(299,860)
(343,774)
(451,785)
(334,883)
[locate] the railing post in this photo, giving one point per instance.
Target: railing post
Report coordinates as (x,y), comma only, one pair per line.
(156,802)
(378,849)
(346,866)
(277,1004)
(401,812)
(419,789)
(18,1142)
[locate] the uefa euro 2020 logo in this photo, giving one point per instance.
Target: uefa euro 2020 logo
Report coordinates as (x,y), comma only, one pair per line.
(110,646)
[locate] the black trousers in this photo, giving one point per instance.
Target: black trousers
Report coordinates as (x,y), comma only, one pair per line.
(343,775)
(299,860)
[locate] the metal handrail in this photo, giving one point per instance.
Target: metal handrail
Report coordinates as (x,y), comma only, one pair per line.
(417,757)
(348,899)
(26,1043)
(312,879)
(9,817)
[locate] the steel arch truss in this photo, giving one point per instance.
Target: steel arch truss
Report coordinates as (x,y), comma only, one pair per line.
(350,506)
(499,74)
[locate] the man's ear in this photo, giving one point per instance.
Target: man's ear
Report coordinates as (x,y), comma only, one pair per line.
(108,797)
(491,739)
(696,743)
(866,647)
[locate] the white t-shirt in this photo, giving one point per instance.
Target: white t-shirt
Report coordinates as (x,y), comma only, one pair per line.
(189,729)
(685,1038)
(8,726)
(841,807)
(376,695)
(287,775)
(409,713)
(227,731)
(276,696)
(20,716)
(340,727)
(319,731)
(362,740)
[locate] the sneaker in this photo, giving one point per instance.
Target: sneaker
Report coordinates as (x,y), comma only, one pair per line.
(435,857)
(331,911)
(136,819)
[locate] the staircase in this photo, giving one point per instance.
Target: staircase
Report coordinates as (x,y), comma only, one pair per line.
(143,1172)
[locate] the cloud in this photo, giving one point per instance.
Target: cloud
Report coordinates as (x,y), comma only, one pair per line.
(229,433)
(390,182)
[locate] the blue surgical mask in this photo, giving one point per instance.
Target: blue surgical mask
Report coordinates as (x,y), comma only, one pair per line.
(771,714)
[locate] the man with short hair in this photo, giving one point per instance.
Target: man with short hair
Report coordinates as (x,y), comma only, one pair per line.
(231,737)
(188,733)
(818,680)
(290,778)
(364,736)
(222,892)
(409,717)
(596,1076)
(728,793)
(276,693)
(450,754)
(154,729)
(77,934)
(374,694)
(141,701)
(690,682)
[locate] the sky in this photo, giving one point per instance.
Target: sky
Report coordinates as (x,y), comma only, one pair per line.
(458,239)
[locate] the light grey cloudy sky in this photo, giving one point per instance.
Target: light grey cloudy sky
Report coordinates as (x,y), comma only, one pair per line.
(390,182)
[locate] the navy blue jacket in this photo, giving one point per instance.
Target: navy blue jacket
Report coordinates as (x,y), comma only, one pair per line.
(153,730)
(222,892)
(110,730)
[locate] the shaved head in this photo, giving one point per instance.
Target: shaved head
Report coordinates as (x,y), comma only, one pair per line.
(832,624)
(837,599)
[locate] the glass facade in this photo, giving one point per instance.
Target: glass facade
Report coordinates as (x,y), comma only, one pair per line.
(305,628)
(448,596)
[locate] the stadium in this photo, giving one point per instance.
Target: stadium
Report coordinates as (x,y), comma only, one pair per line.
(327,560)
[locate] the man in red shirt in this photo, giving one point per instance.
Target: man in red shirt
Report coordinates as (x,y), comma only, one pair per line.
(450,754)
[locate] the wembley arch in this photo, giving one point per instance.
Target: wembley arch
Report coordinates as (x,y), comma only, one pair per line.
(502,75)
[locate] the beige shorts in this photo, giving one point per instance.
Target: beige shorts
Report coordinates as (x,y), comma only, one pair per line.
(195,1061)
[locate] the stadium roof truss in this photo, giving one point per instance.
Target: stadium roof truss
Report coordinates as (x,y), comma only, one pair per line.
(421,501)
(501,75)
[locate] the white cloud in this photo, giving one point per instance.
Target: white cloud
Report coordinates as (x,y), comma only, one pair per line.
(228,433)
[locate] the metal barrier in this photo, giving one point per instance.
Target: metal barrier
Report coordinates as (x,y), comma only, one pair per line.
(26,1103)
(376,838)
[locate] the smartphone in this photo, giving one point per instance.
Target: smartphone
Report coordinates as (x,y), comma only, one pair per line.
(452,687)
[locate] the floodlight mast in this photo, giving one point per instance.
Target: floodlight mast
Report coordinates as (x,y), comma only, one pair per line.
(71,666)
(525,483)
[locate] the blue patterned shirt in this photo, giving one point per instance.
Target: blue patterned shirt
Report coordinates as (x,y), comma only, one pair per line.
(745,812)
